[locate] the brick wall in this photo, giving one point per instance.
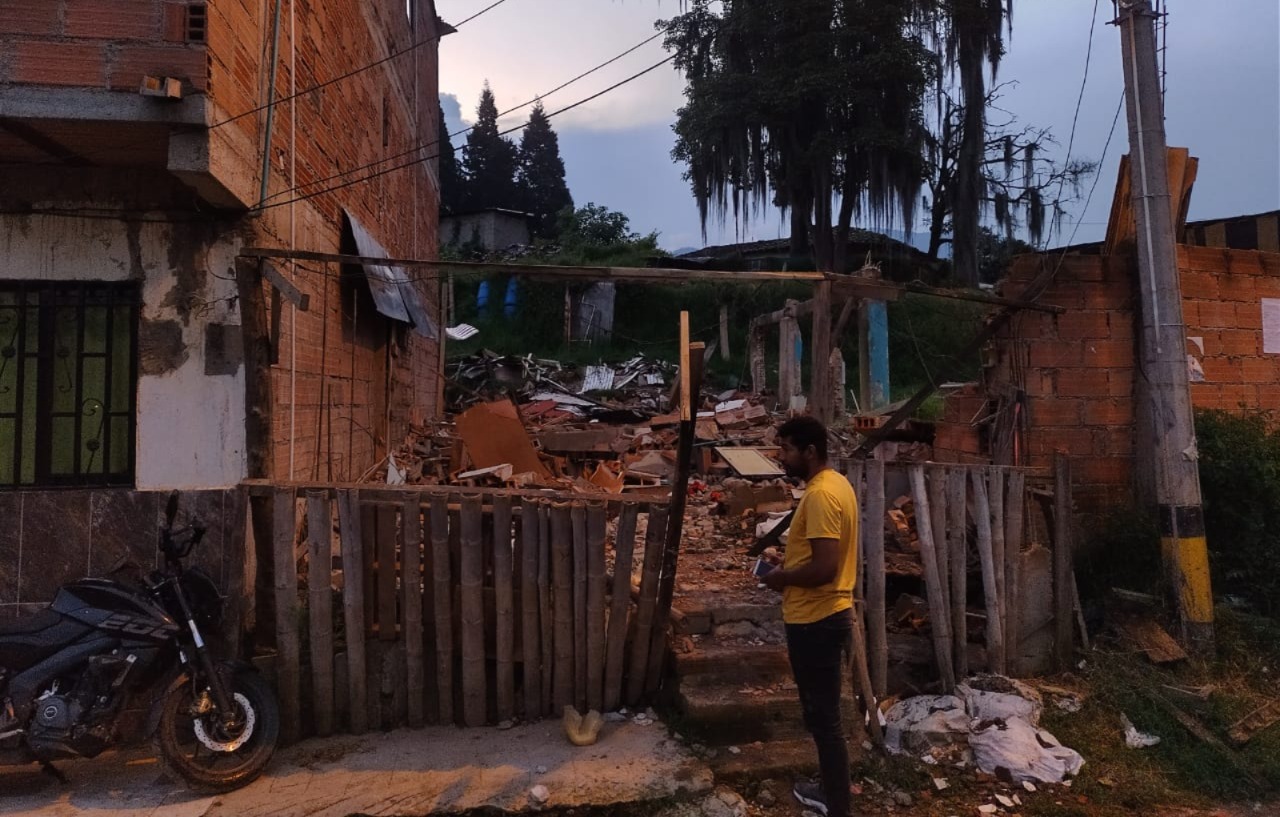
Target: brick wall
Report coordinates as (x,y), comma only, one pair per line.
(1077,369)
(96,44)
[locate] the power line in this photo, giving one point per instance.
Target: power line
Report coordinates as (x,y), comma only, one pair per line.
(1094,186)
(423,145)
(419,160)
(1088,58)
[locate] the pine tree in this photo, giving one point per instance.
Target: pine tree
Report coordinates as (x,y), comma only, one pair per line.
(541,173)
(452,185)
(490,160)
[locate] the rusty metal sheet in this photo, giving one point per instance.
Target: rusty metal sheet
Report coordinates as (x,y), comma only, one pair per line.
(494,435)
(394,294)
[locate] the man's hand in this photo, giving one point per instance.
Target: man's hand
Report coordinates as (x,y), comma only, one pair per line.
(775,580)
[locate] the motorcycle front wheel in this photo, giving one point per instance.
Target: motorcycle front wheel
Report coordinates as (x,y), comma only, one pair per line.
(196,745)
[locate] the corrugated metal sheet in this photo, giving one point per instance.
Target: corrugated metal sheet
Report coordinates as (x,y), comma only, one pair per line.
(394,294)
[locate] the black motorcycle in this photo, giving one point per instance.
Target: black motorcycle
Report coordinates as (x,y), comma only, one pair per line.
(109,661)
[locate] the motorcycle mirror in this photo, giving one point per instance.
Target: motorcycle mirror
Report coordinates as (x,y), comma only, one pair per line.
(171,509)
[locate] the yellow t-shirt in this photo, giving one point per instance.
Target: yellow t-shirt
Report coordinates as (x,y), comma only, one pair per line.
(828,510)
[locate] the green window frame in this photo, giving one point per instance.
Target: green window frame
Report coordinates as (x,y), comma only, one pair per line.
(68,383)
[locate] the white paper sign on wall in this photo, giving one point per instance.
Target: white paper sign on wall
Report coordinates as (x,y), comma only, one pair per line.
(1271,326)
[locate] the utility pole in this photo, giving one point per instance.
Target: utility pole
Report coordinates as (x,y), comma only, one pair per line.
(1164,336)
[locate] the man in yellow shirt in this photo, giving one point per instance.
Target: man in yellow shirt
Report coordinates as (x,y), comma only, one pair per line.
(816,580)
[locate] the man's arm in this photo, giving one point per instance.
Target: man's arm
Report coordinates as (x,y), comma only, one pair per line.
(820,570)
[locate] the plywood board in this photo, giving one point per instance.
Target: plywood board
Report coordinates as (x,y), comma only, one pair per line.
(749,462)
(494,435)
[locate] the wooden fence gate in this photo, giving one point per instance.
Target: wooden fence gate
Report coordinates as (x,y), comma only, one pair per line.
(467,607)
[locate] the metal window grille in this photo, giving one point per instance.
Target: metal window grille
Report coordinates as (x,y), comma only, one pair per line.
(68,376)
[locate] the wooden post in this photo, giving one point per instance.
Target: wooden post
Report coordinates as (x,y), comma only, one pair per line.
(545,605)
(596,523)
(1063,600)
(870,697)
(637,672)
(288,672)
(531,656)
(995,495)
(353,608)
(691,386)
(504,608)
(320,608)
(578,518)
(853,473)
(623,554)
(471,583)
(982,517)
(562,598)
(958,547)
(756,356)
(938,619)
(820,371)
(443,581)
(411,603)
(1014,508)
(937,476)
(386,550)
(788,365)
(724,332)
(876,602)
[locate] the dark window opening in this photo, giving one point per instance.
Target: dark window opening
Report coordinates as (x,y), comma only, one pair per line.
(197,23)
(68,376)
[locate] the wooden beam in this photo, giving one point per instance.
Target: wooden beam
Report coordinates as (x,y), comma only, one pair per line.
(285,287)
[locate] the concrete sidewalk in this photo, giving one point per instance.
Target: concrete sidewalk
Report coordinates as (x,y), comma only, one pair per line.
(401,774)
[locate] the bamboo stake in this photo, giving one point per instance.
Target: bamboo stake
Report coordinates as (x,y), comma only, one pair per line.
(870,698)
(411,599)
(441,565)
(876,602)
(982,515)
(285,576)
(623,553)
(854,474)
(995,496)
(596,523)
(578,518)
(937,477)
(654,538)
(958,548)
(320,608)
(1063,600)
(471,578)
(353,608)
(545,604)
(938,619)
(531,657)
(504,604)
(562,597)
(1014,510)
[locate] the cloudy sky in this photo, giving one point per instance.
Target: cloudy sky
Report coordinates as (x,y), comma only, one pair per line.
(1223,99)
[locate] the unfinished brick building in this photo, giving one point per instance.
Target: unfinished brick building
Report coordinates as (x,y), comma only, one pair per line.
(1071,383)
(136,136)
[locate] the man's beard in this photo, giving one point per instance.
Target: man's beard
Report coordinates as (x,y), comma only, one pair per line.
(795,471)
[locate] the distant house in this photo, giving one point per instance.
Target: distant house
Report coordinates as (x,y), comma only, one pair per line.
(897,260)
(494,228)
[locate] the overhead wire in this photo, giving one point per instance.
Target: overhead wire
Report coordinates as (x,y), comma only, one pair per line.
(1075,119)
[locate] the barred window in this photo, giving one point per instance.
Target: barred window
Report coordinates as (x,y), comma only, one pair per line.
(68,377)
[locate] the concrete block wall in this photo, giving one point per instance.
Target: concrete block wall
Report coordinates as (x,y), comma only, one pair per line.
(1078,370)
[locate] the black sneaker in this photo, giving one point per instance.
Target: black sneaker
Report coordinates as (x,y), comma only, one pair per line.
(810,795)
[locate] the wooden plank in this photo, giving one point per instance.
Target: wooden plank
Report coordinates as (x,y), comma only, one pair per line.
(386,545)
(687,398)
(620,603)
(531,655)
(937,479)
(986,557)
(1150,638)
(1015,507)
(939,622)
(546,606)
(471,582)
(504,608)
(285,574)
(411,592)
(578,520)
(854,473)
(876,602)
(597,520)
(441,566)
(1063,603)
(368,558)
(320,609)
(353,608)
(562,599)
(995,496)
(286,288)
(958,557)
(655,537)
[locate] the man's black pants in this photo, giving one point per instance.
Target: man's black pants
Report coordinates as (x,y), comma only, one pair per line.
(818,653)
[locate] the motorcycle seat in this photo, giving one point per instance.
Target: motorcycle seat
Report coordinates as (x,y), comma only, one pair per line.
(31,639)
(27,625)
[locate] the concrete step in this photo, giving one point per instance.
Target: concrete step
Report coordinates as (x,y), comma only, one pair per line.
(778,759)
(723,714)
(712,662)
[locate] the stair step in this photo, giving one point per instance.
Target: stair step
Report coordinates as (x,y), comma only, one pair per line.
(781,759)
(713,662)
(729,714)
